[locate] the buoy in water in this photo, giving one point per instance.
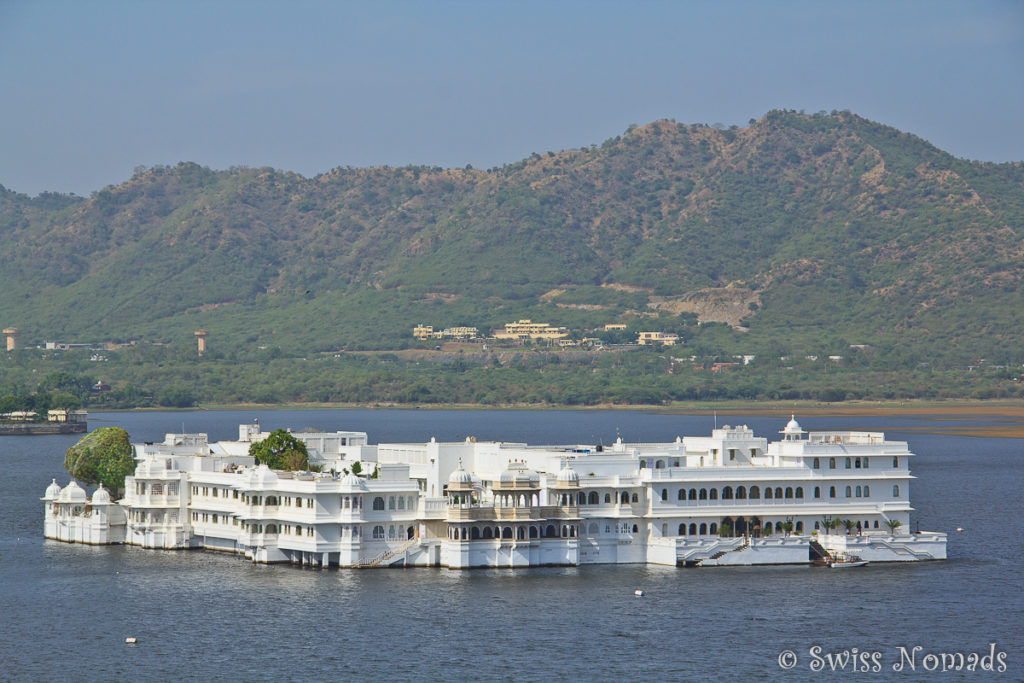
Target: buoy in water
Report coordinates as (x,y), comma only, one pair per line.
(130,640)
(638,593)
(959,528)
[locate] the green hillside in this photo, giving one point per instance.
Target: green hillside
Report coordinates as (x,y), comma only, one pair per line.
(802,234)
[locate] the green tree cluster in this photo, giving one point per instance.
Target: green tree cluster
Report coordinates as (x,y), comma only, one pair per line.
(281,451)
(102,456)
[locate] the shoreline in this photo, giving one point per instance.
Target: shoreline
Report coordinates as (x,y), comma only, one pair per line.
(1008,414)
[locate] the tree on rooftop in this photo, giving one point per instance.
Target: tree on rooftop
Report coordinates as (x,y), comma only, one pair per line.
(102,456)
(281,451)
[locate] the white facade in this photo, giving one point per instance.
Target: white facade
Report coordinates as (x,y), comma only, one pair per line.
(727,498)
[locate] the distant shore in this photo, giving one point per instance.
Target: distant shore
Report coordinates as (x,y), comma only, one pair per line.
(1007,416)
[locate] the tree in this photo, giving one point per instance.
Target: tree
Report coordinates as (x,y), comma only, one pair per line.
(102,456)
(281,451)
(849,524)
(893,525)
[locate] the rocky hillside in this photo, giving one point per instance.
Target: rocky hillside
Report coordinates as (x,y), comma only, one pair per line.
(803,231)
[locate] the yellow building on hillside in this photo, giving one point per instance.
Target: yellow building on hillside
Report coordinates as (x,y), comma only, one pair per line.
(527,329)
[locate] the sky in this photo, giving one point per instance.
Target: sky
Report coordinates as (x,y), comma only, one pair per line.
(91,90)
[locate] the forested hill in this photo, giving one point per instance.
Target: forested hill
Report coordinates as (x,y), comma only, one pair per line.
(804,232)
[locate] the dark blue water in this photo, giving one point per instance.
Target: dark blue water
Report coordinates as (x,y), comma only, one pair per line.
(66,609)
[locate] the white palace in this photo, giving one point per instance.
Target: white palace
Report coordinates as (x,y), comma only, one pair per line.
(730,498)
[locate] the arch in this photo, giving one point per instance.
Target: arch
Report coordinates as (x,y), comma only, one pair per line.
(867,491)
(401,502)
(474,533)
(378,503)
(549,531)
(857,492)
(664,495)
(817,463)
(831,491)
(624,498)
(856,463)
(581,499)
(831,463)
(636,498)
(789,492)
(593,529)
(727,493)
(391,502)
(799,527)
(713,494)
(391,531)
(849,491)
(659,464)
(271,500)
(895,462)
(378,531)
(271,528)
(703,528)
(741,493)
(703,494)
(681,494)
(767,492)
(713,529)
(636,529)
(488,533)
(755,493)
(895,490)
(520,533)
(607,497)
(799,491)
(593,498)
(817,492)
(533,532)
(693,529)
(849,462)
(693,494)
(643,464)
(506,532)
(682,529)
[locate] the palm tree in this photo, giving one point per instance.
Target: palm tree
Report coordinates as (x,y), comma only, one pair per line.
(893,525)
(826,523)
(834,524)
(787,527)
(849,524)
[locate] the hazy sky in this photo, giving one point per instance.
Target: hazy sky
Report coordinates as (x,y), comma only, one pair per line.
(91,89)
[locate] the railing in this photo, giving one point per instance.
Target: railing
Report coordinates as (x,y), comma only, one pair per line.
(388,554)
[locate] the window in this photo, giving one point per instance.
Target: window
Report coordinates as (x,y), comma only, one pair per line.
(391,502)
(681,495)
(703,494)
(664,495)
(378,531)
(817,492)
(831,491)
(831,463)
(727,493)
(593,498)
(896,491)
(857,492)
(378,503)
(309,502)
(401,502)
(849,492)
(817,463)
(789,492)
(848,463)
(693,494)
(741,492)
(214,493)
(635,498)
(755,492)
(778,492)
(856,463)
(867,491)
(157,489)
(714,494)
(607,497)
(799,491)
(732,454)
(768,493)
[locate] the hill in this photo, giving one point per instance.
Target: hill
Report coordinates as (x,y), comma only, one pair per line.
(801,233)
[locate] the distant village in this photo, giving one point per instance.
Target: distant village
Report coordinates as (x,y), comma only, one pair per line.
(526,330)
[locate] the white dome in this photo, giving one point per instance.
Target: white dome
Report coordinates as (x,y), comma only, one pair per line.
(353,481)
(72,493)
(518,474)
(792,427)
(101,495)
(569,476)
(53,491)
(460,478)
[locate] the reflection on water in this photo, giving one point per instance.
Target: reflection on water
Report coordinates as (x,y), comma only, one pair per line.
(68,608)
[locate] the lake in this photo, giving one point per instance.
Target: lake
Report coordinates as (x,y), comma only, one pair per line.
(68,608)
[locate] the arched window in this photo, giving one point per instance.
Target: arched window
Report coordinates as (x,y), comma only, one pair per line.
(693,529)
(643,464)
(867,491)
(778,492)
(391,502)
(635,498)
(857,493)
(664,529)
(474,534)
(520,533)
(391,531)
(817,492)
(593,498)
(714,528)
(849,492)
(876,523)
(895,462)
(664,493)
(799,527)
(856,463)
(799,491)
(831,463)
(506,532)
(768,493)
(378,503)
(847,463)
(682,529)
(594,530)
(550,532)
(896,491)
(755,493)
(401,502)
(636,529)
(681,495)
(817,463)
(625,498)
(789,492)
(378,531)
(831,491)
(703,494)
(533,532)
(714,494)
(488,533)
(659,464)
(581,498)
(727,493)
(607,497)
(271,528)
(741,493)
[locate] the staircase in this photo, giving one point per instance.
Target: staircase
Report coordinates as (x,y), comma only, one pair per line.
(388,554)
(720,553)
